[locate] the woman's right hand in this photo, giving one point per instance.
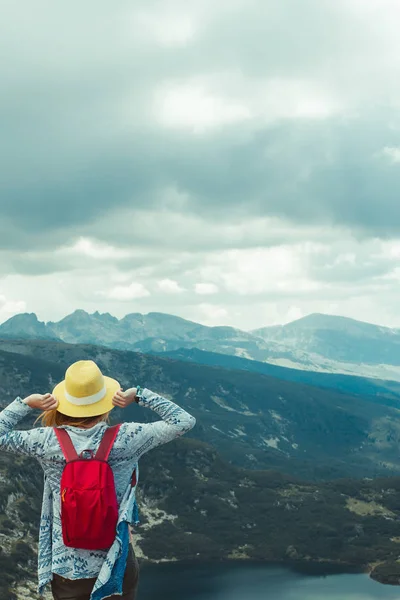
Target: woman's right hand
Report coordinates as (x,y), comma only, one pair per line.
(124,399)
(41,401)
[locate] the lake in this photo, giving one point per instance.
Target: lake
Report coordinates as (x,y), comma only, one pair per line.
(254,582)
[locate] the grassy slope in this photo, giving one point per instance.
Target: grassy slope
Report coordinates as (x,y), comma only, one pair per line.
(254,420)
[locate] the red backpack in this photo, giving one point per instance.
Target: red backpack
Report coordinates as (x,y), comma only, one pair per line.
(89,507)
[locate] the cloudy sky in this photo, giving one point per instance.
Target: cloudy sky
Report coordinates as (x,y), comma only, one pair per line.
(232,162)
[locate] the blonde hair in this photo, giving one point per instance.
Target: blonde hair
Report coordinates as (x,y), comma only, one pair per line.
(53,418)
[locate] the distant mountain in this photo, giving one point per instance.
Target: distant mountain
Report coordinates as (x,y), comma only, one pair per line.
(26,326)
(154,332)
(337,344)
(81,327)
(134,331)
(315,343)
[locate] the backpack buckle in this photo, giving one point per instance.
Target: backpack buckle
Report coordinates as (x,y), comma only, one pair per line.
(86,455)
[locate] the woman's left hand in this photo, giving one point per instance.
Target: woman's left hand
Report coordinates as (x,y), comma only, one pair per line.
(41,401)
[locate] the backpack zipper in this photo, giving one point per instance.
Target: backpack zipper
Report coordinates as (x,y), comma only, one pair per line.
(63,494)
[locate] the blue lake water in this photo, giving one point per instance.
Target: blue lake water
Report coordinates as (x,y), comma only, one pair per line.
(254,582)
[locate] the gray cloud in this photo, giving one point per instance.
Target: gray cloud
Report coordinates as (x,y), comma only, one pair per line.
(266,128)
(81,141)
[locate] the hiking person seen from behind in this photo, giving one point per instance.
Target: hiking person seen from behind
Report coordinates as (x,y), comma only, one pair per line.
(91,473)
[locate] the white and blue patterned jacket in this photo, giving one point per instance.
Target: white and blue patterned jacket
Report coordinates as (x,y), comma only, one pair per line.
(133,440)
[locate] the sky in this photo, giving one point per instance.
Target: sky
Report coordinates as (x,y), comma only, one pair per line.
(233,162)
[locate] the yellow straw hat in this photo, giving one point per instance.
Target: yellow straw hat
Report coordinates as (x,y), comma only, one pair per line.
(85,392)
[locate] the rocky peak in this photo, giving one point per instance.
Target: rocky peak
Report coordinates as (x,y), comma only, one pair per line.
(26,318)
(105,317)
(25,325)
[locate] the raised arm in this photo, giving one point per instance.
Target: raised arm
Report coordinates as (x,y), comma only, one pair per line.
(31,442)
(142,437)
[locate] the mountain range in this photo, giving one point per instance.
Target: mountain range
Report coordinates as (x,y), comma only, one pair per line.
(318,343)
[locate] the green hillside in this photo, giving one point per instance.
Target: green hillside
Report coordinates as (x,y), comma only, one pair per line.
(253,420)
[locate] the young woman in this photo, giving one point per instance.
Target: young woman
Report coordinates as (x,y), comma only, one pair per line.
(80,405)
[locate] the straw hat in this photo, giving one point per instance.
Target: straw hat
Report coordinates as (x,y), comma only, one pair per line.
(85,392)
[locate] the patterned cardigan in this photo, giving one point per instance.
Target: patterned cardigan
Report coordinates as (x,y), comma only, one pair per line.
(133,440)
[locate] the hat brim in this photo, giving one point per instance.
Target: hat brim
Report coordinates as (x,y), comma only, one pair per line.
(101,407)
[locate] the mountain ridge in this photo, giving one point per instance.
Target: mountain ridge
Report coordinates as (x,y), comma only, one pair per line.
(310,318)
(321,343)
(326,320)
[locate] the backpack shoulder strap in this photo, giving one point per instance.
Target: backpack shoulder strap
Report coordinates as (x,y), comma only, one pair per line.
(66,444)
(107,443)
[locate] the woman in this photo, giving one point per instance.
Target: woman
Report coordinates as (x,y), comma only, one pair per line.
(80,405)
